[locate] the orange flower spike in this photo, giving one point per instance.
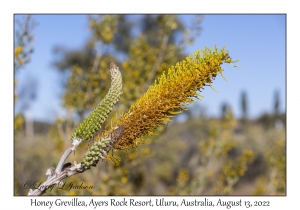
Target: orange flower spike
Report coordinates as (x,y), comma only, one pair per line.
(170,92)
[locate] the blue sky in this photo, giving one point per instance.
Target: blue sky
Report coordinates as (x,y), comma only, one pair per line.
(258,41)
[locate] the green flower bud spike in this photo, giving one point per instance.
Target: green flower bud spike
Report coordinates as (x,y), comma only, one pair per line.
(100,149)
(93,122)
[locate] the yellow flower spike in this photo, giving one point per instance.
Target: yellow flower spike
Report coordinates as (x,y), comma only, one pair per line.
(174,89)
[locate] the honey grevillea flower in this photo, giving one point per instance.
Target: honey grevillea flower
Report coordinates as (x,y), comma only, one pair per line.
(171,92)
(93,122)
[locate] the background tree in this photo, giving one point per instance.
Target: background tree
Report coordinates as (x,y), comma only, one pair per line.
(143,45)
(23,48)
(276,103)
(274,119)
(224,109)
(244,106)
(27,94)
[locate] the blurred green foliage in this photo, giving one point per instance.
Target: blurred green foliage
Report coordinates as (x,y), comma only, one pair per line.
(24,38)
(273,181)
(23,48)
(199,157)
(217,172)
